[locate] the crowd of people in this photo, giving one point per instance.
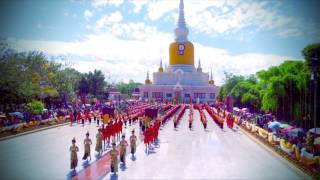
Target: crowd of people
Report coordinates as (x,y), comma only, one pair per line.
(106,134)
(300,144)
(111,130)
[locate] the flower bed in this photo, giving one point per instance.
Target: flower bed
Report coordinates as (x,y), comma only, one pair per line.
(28,126)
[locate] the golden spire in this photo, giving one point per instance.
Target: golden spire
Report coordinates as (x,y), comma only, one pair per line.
(211,81)
(160,68)
(147,81)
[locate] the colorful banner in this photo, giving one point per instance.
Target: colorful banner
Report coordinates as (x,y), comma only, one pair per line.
(65,101)
(229,104)
(76,100)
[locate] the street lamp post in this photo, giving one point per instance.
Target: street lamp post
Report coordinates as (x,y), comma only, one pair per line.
(314,76)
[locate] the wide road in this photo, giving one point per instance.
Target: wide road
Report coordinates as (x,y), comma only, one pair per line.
(199,154)
(44,154)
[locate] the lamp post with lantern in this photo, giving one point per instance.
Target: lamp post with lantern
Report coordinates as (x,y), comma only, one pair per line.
(314,77)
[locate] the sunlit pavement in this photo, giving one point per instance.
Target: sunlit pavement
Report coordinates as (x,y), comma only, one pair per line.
(199,154)
(44,154)
(195,154)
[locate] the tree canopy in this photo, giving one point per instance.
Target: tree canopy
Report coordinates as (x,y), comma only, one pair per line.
(286,90)
(29,77)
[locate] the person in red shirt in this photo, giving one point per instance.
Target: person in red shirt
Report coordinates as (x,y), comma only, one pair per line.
(103,136)
(157,127)
(78,116)
(190,121)
(205,123)
(152,133)
(175,122)
(111,130)
(86,116)
(146,138)
(82,118)
(118,129)
(71,117)
(121,125)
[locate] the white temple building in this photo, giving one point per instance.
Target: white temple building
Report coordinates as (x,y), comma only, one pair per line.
(180,80)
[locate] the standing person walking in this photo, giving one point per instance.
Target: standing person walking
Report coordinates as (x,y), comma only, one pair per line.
(75,115)
(114,158)
(175,122)
(73,156)
(133,143)
(87,143)
(99,142)
(190,121)
(98,118)
(82,119)
(123,150)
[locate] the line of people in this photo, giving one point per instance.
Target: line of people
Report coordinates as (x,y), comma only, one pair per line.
(203,118)
(151,134)
(114,153)
(178,117)
(112,130)
(74,149)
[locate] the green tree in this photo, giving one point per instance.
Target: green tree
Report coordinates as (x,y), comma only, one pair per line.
(311,51)
(67,81)
(127,88)
(96,83)
(36,107)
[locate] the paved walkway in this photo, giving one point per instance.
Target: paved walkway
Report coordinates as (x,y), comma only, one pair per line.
(199,154)
(181,154)
(44,154)
(101,166)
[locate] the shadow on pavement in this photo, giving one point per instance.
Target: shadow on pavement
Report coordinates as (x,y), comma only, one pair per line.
(114,177)
(123,167)
(133,158)
(71,174)
(85,164)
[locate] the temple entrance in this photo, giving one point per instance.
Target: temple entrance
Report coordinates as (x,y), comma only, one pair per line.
(177,96)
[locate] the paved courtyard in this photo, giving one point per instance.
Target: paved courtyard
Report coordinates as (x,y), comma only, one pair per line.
(197,154)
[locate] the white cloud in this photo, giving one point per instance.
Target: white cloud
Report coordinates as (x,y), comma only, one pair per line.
(138,5)
(131,59)
(99,3)
(228,17)
(129,49)
(157,9)
(114,25)
(108,20)
(289,33)
(87,14)
(220,60)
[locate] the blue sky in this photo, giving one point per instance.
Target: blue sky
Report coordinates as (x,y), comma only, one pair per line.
(125,39)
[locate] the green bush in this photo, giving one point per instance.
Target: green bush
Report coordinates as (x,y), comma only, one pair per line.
(36,107)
